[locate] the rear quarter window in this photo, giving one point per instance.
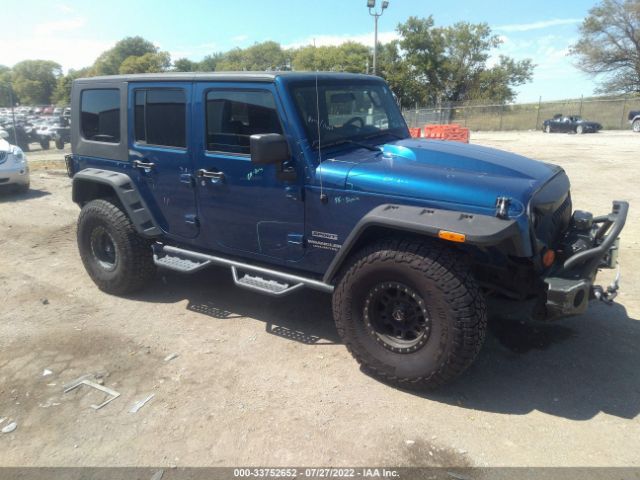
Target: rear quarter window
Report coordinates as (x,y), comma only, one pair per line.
(100,115)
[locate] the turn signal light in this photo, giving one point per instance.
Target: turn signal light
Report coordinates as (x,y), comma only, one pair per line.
(548,257)
(451,236)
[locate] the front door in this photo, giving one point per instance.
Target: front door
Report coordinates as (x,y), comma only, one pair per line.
(161,155)
(244,208)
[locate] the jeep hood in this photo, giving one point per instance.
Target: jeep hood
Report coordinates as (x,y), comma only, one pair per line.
(442,174)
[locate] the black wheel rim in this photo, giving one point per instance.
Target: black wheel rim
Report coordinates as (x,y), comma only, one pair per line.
(396,316)
(103,248)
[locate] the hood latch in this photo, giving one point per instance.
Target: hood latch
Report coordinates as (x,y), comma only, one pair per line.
(502,207)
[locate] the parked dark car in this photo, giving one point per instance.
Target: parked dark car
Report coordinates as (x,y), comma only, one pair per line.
(20,137)
(62,132)
(634,120)
(570,123)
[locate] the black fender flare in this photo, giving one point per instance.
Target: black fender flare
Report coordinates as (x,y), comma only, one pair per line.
(83,190)
(478,230)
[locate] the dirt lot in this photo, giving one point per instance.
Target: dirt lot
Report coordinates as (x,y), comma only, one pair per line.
(261,381)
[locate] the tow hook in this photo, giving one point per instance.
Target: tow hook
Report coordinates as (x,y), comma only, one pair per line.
(607,296)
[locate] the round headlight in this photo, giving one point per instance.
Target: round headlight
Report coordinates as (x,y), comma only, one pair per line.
(18,154)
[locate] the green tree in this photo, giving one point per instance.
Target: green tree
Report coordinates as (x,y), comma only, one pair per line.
(450,63)
(496,84)
(609,45)
(210,62)
(35,80)
(62,92)
(147,63)
(109,62)
(398,73)
(5,87)
(347,57)
(259,57)
(185,65)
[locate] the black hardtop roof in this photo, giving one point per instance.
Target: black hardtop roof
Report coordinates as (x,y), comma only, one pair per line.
(227,77)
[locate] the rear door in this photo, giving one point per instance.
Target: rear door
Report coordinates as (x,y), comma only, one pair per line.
(159,149)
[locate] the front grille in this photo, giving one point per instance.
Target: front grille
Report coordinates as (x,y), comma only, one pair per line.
(560,215)
(561,219)
(4,156)
(552,223)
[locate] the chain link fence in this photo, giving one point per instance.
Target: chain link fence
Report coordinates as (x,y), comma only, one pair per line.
(611,113)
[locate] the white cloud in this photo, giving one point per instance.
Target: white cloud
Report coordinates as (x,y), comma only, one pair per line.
(193,52)
(64,8)
(240,38)
(327,40)
(64,41)
(69,52)
(525,27)
(49,28)
(554,75)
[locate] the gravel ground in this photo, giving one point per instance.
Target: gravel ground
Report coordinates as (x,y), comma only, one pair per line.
(262,381)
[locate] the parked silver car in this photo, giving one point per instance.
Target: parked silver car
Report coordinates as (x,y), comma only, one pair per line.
(14,169)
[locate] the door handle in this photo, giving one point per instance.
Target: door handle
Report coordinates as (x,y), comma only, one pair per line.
(215,176)
(144,165)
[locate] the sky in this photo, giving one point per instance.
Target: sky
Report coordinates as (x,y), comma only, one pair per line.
(74,33)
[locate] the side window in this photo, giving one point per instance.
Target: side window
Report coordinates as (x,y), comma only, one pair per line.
(160,117)
(233,116)
(100,115)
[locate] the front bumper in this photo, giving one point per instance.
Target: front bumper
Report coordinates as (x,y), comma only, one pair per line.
(571,287)
(18,175)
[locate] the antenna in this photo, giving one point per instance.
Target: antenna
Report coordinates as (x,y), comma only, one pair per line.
(323,197)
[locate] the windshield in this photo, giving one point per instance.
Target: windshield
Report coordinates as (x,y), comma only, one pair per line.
(349,111)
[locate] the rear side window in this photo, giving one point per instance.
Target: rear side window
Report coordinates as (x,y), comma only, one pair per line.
(100,115)
(233,116)
(160,117)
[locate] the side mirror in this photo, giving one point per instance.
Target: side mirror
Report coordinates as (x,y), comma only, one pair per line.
(267,148)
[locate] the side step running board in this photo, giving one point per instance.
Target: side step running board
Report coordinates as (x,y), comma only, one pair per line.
(263,285)
(180,264)
(253,277)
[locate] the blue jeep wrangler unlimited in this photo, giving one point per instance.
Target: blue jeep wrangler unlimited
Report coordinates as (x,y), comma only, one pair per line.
(299,180)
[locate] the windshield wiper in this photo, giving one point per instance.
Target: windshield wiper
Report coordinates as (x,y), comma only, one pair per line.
(385,132)
(348,142)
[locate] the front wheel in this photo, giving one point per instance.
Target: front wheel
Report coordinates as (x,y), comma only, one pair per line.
(547,129)
(636,126)
(579,129)
(116,258)
(410,313)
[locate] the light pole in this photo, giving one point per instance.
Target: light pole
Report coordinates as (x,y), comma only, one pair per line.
(371,5)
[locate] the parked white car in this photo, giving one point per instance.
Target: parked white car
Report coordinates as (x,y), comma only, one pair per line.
(14,169)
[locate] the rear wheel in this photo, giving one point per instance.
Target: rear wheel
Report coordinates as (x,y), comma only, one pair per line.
(636,126)
(117,259)
(59,144)
(579,129)
(44,143)
(547,129)
(410,312)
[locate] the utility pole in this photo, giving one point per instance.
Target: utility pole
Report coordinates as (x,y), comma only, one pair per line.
(371,5)
(538,113)
(13,116)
